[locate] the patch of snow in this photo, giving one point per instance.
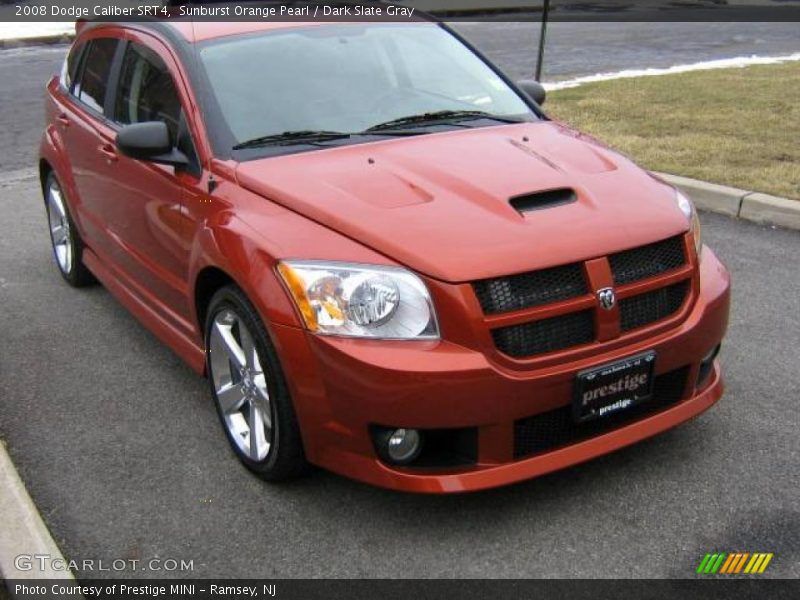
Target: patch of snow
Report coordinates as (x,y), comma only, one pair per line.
(26,30)
(724,63)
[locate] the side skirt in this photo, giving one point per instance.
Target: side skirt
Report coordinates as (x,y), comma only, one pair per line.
(173,338)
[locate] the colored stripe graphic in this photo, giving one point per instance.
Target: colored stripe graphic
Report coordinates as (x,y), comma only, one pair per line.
(741,562)
(764,564)
(732,563)
(711,562)
(726,566)
(718,564)
(703,563)
(756,558)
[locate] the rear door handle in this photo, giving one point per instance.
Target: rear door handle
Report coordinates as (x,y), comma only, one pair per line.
(63,119)
(109,152)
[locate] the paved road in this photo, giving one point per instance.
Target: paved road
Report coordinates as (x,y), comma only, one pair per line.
(121,449)
(576,49)
(573,49)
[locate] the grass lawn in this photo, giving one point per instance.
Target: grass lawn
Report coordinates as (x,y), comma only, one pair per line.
(738,127)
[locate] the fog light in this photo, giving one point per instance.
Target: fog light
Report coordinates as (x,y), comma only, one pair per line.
(403,445)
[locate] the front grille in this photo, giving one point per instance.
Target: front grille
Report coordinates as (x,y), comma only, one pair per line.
(558,284)
(647,261)
(515,292)
(556,428)
(545,335)
(647,308)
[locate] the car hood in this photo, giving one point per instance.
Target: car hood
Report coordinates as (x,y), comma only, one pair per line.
(439,203)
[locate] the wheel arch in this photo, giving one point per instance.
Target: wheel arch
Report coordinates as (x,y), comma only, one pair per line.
(45,168)
(209,280)
(229,249)
(226,251)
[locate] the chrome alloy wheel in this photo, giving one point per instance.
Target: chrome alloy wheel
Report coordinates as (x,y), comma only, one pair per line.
(60,234)
(240,385)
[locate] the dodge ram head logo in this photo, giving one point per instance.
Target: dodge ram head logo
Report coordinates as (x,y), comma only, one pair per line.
(606,298)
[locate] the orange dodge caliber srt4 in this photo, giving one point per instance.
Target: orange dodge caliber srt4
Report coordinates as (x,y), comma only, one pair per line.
(383,255)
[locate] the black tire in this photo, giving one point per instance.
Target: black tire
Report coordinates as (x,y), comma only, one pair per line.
(72,268)
(285,458)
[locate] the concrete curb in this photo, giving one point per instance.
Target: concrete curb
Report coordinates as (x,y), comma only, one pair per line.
(24,531)
(735,202)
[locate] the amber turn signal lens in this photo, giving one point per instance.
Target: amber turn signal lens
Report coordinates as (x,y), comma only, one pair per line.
(297,288)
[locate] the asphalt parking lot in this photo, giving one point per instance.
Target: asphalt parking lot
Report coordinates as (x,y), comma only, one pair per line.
(120,448)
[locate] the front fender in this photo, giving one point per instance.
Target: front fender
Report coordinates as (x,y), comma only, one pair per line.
(247,236)
(233,244)
(227,243)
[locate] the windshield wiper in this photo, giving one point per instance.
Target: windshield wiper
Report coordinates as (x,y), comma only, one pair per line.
(311,136)
(441,115)
(299,136)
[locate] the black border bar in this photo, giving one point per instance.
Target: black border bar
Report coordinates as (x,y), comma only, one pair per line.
(707,587)
(365,10)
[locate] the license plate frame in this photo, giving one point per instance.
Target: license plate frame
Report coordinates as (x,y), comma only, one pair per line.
(594,400)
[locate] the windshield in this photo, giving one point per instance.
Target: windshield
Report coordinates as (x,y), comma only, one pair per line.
(349,78)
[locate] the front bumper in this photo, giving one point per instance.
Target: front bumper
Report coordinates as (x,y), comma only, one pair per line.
(343,386)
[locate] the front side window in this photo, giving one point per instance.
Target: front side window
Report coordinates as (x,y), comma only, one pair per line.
(146,91)
(70,66)
(348,78)
(91,90)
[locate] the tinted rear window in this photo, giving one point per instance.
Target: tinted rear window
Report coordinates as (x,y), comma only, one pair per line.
(91,90)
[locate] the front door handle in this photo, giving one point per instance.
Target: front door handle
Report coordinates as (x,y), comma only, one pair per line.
(63,120)
(109,152)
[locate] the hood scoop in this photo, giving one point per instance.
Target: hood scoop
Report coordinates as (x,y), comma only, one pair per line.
(541,200)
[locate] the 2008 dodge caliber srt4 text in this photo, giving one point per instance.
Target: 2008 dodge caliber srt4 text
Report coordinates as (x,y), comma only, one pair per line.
(385,258)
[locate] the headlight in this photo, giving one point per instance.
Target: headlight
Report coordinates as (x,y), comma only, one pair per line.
(360,300)
(688,209)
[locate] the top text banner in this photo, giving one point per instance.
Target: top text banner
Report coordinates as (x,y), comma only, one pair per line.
(402,10)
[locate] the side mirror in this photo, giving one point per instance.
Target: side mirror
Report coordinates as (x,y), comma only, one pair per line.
(534,89)
(149,141)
